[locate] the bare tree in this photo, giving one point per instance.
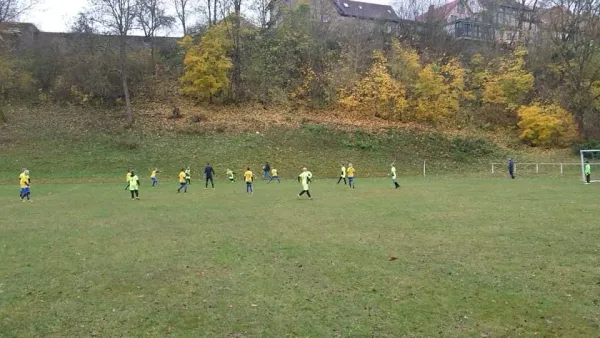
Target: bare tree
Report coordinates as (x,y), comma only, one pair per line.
(211,11)
(11,10)
(568,39)
(232,11)
(151,16)
(262,8)
(118,17)
(181,8)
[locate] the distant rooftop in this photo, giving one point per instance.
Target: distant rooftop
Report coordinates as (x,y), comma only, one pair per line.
(366,10)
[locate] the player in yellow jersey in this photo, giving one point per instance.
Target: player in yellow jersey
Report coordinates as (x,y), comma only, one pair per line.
(134,185)
(274,176)
(25,183)
(350,172)
(305,178)
(188,176)
(249,178)
(153,177)
(342,174)
(182,181)
(230,175)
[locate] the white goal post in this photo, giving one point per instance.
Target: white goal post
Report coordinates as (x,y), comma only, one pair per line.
(582,154)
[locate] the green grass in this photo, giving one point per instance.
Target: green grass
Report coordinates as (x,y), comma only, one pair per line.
(476,257)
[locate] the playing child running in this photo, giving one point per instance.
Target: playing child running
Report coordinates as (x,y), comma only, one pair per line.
(183,181)
(304,178)
(25,184)
(274,176)
(153,177)
(230,175)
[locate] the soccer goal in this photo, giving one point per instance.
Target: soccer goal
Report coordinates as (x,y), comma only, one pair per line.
(592,156)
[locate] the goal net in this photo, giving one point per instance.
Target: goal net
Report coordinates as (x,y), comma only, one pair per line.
(591,156)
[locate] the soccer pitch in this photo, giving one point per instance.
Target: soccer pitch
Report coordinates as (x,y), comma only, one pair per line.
(475,257)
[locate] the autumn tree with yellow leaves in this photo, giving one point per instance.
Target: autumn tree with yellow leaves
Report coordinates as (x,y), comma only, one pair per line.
(207,63)
(438,91)
(508,82)
(377,93)
(546,125)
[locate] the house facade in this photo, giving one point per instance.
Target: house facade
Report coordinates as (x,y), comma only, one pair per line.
(504,21)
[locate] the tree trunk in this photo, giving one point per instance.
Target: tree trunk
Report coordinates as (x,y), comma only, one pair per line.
(237,67)
(210,23)
(152,55)
(123,64)
(214,12)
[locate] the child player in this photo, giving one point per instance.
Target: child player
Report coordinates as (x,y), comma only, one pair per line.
(25,183)
(274,176)
(188,176)
(134,183)
(394,176)
(182,181)
(343,174)
(588,172)
(153,177)
(304,178)
(249,178)
(350,173)
(230,175)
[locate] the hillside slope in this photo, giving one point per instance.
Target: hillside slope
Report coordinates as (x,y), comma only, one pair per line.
(85,143)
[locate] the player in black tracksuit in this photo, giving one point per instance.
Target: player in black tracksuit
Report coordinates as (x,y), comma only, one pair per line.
(209,172)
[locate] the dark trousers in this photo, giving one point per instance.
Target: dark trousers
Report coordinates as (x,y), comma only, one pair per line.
(135,193)
(587,178)
(511,173)
(209,178)
(342,178)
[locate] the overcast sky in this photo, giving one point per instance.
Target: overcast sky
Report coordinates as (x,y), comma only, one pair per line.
(57,15)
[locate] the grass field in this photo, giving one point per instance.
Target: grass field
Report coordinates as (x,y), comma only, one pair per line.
(475,257)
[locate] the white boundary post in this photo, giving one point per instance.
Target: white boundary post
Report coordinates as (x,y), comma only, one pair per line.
(561,168)
(424,164)
(537,168)
(582,168)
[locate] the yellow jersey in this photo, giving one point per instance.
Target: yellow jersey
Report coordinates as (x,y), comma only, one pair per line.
(248,175)
(127,177)
(350,172)
(153,174)
(273,172)
(133,182)
(24,181)
(182,177)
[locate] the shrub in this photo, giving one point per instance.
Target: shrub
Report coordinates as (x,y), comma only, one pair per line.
(546,125)
(463,148)
(587,145)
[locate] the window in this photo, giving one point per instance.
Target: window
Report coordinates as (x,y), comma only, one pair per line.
(324,18)
(359,7)
(389,11)
(346,5)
